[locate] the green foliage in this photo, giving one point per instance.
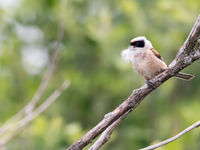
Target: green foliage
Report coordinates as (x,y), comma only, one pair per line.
(95,32)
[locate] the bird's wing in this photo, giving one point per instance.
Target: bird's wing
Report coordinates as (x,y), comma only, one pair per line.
(156,53)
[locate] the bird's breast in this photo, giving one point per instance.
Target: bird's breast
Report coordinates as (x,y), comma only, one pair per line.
(148,65)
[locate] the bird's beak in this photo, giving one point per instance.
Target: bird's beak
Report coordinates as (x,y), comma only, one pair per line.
(131,47)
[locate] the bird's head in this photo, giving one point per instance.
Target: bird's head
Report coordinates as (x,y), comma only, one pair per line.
(141,43)
(137,45)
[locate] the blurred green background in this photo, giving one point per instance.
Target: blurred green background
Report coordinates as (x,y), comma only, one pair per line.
(95,33)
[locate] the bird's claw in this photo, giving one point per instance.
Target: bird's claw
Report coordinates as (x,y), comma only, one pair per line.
(150,84)
(162,70)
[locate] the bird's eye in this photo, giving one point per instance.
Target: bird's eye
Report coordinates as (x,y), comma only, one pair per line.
(137,43)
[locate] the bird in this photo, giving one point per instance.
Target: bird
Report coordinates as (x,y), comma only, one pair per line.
(146,60)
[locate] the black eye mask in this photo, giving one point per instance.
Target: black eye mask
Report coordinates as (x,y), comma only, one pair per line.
(138,43)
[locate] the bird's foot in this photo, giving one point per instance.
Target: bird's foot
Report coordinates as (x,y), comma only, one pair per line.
(162,70)
(150,84)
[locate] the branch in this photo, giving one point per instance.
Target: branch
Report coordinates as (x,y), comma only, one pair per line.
(105,136)
(185,57)
(42,87)
(29,108)
(195,125)
(30,111)
(20,125)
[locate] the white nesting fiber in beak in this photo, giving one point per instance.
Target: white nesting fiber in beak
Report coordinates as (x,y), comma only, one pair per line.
(127,55)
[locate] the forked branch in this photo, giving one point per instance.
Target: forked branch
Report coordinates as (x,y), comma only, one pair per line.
(40,91)
(185,57)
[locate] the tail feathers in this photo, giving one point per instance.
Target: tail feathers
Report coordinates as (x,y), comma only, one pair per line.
(184,76)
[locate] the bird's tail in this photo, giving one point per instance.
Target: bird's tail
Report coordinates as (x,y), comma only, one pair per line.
(184,76)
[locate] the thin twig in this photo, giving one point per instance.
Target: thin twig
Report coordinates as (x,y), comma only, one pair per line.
(195,125)
(17,128)
(185,57)
(29,112)
(42,87)
(50,70)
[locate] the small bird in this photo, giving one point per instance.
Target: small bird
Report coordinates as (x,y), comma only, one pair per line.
(146,60)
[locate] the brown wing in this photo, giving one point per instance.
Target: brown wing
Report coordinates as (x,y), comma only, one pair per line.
(156,53)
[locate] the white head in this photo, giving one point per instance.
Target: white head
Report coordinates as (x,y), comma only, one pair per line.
(140,42)
(137,44)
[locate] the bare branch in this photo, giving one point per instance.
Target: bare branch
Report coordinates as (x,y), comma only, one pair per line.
(105,136)
(15,124)
(42,87)
(195,125)
(185,57)
(21,124)
(29,108)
